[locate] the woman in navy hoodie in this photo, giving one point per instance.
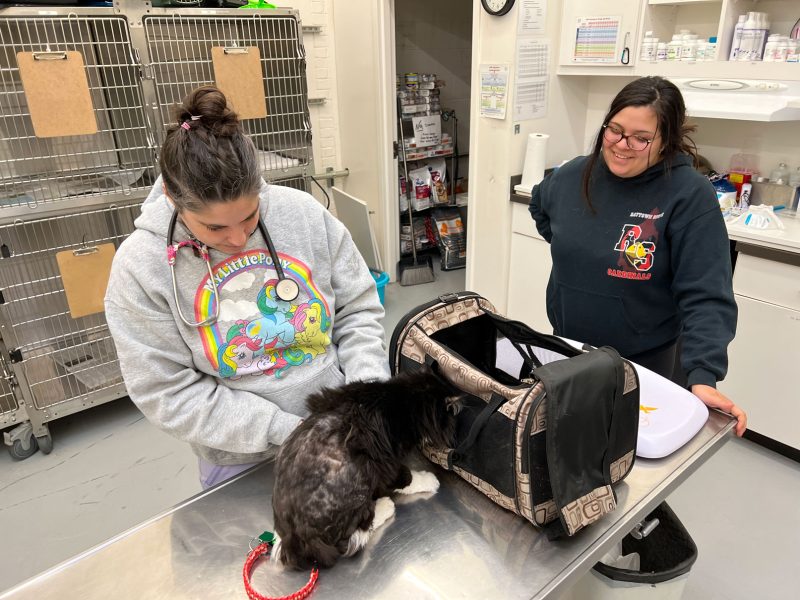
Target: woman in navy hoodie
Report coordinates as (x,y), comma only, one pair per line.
(640,251)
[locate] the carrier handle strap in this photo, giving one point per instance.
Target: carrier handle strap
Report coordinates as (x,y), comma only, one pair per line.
(619,371)
(477,426)
(517,331)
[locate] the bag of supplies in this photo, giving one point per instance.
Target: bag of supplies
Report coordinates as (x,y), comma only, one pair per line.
(545,428)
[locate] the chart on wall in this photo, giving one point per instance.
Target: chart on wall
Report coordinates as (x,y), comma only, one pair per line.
(596,39)
(530,89)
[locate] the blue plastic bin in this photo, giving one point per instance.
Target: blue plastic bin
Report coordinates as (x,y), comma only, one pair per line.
(381,279)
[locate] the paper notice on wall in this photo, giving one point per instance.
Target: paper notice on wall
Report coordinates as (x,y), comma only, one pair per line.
(494,90)
(530,89)
(596,40)
(531,17)
(427,130)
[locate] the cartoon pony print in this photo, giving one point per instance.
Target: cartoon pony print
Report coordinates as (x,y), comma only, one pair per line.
(238,353)
(272,328)
(311,324)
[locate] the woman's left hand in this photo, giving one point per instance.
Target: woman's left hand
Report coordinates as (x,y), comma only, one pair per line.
(713,398)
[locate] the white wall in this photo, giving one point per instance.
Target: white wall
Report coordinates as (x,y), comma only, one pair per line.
(321,78)
(497,153)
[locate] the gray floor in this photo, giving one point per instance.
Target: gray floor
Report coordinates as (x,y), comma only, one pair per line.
(110,470)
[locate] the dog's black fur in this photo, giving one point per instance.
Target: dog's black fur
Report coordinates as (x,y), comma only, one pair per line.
(348,453)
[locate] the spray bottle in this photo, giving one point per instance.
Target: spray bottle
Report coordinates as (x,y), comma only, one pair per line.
(744,196)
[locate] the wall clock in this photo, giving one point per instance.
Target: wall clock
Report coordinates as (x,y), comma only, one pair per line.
(497,7)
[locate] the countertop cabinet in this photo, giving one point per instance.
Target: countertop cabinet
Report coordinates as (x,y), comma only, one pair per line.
(765,355)
(529,270)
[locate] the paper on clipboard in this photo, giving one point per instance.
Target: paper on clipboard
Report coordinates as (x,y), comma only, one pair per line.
(84,274)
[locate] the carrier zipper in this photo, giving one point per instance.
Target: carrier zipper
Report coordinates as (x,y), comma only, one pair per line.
(526,434)
(399,335)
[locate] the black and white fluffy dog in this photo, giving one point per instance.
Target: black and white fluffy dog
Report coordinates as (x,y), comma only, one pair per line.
(347,455)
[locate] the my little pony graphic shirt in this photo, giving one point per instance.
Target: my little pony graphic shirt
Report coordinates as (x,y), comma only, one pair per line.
(257,333)
(237,388)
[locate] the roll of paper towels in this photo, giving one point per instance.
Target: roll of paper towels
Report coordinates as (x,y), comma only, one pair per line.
(533,170)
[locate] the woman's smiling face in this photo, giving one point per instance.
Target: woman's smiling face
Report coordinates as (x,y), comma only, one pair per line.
(638,122)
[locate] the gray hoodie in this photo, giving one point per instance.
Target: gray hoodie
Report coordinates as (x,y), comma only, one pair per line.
(236,389)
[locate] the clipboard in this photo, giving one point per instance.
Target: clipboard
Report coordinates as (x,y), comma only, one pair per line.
(57,93)
(84,273)
(237,71)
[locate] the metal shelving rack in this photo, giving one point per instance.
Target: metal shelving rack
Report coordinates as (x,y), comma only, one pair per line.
(69,192)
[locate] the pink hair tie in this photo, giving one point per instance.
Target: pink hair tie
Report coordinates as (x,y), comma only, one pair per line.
(186,126)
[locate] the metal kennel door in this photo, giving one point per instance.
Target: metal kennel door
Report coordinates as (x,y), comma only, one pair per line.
(62,364)
(69,172)
(179,47)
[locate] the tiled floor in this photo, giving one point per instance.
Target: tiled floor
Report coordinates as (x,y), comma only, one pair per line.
(110,470)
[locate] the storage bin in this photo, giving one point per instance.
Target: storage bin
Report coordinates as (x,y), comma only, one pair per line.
(381,279)
(665,557)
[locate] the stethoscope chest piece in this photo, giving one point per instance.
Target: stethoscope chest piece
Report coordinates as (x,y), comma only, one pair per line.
(287,289)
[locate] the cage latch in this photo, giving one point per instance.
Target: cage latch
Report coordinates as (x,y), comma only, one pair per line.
(15,355)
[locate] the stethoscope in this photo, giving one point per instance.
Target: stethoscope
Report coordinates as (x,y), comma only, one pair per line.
(286,289)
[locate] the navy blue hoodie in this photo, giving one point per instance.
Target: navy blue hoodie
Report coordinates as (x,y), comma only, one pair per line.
(651,261)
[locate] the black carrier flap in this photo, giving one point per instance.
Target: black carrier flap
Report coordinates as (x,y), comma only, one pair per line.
(585,410)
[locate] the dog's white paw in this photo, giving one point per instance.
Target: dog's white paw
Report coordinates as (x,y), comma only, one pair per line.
(422,482)
(384,510)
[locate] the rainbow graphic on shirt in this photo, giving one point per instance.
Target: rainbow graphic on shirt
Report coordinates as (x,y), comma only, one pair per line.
(257,333)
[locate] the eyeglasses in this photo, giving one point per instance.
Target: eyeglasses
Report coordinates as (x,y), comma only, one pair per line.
(635,142)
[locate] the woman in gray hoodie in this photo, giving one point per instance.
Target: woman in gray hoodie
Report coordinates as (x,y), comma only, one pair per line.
(224,355)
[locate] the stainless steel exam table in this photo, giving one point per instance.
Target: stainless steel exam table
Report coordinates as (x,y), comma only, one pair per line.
(454,544)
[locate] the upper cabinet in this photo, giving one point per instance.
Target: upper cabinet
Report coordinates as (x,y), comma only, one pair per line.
(631,19)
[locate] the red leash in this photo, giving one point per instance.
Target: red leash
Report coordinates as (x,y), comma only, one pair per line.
(263,549)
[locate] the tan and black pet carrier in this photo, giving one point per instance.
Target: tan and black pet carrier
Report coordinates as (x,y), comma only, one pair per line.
(546,427)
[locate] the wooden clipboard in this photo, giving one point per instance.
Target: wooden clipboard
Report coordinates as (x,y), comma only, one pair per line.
(237,72)
(57,92)
(84,273)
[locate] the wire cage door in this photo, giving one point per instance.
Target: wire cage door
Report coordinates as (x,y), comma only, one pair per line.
(65,363)
(115,163)
(180,58)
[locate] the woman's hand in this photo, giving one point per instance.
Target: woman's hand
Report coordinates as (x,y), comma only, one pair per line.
(715,399)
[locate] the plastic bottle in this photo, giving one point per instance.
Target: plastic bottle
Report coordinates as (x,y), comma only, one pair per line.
(764,24)
(793,54)
(750,36)
(794,178)
(700,48)
(689,48)
(770,49)
(648,49)
(661,52)
(780,174)
(711,49)
(782,51)
(736,41)
(674,48)
(744,196)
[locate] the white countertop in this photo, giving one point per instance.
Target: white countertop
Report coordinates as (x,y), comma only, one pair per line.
(787,240)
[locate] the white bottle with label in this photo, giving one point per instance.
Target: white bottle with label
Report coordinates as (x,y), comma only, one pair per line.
(782,51)
(674,48)
(711,49)
(764,24)
(770,50)
(793,53)
(661,52)
(736,41)
(749,33)
(648,50)
(689,48)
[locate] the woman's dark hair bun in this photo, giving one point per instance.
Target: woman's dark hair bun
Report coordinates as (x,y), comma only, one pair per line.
(210,104)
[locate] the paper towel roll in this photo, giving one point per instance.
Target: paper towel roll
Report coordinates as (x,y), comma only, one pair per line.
(533,169)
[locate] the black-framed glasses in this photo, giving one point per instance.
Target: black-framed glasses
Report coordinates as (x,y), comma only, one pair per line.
(635,142)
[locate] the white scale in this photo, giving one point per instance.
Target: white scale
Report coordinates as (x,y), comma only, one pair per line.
(741,99)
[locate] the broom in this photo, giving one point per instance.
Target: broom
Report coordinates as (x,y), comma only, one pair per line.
(411,270)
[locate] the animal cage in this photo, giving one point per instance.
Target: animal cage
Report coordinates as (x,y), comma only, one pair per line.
(62,364)
(63,193)
(71,171)
(179,49)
